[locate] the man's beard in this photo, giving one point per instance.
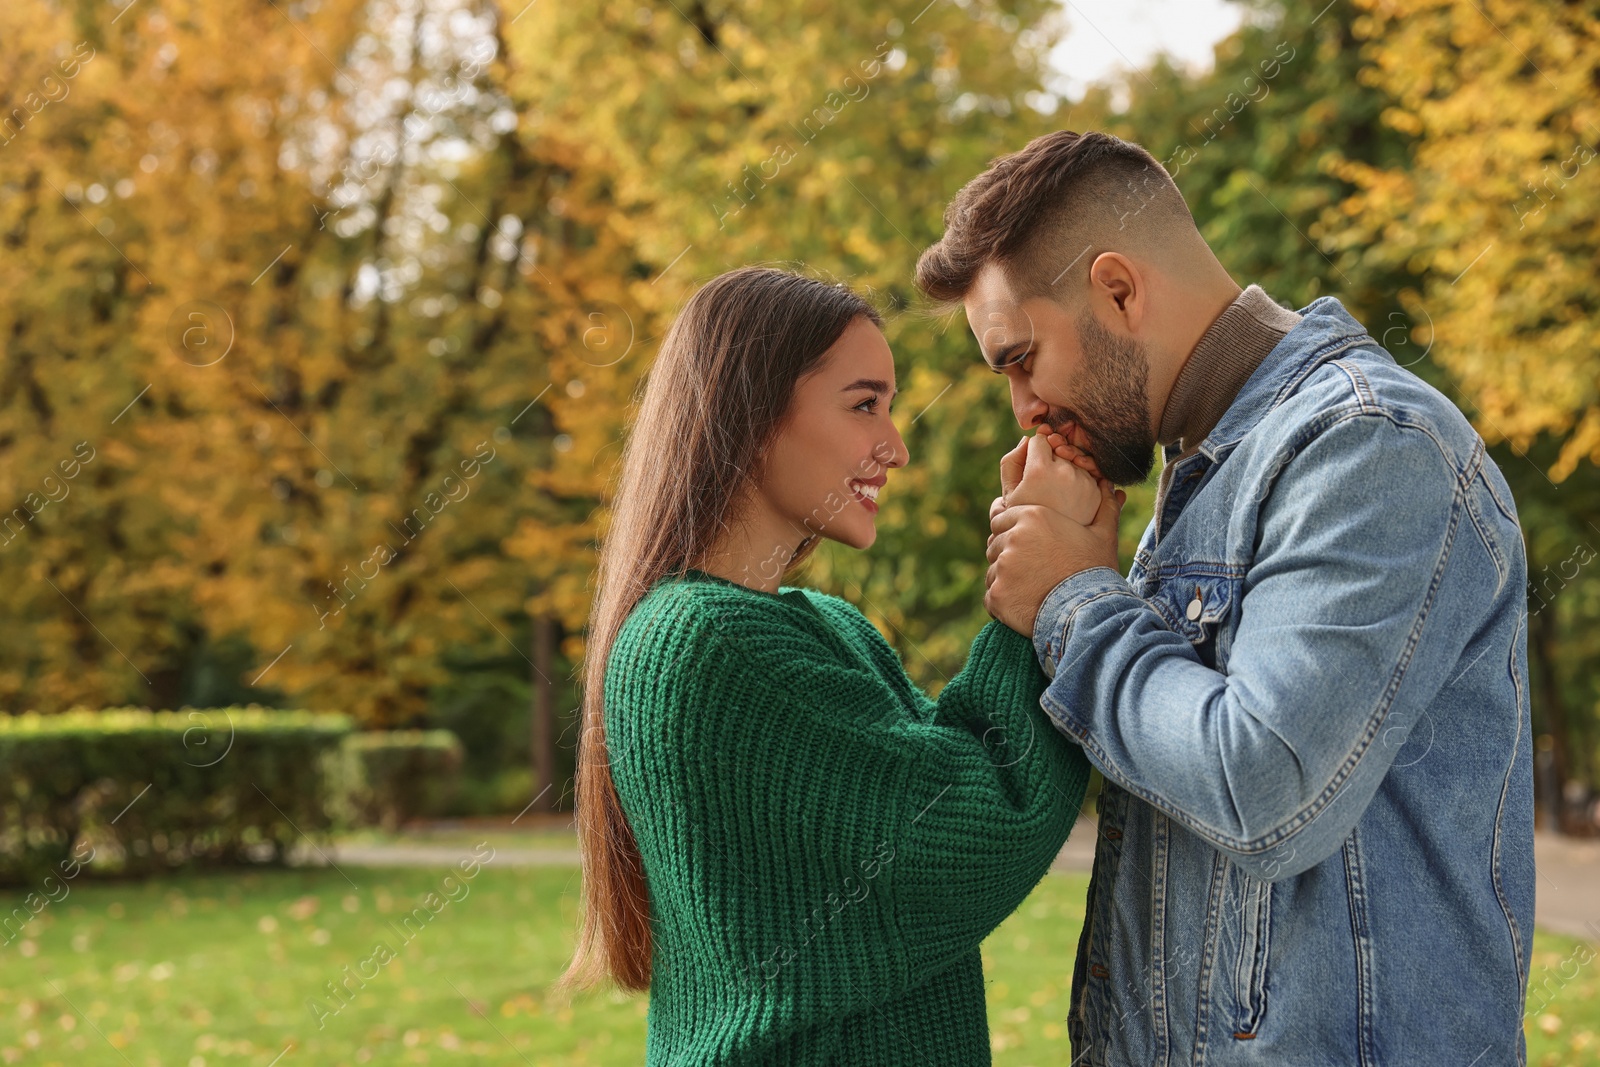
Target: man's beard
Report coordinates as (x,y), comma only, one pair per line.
(1115,406)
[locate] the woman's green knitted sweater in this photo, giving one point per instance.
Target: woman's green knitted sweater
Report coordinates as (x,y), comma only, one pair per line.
(824,845)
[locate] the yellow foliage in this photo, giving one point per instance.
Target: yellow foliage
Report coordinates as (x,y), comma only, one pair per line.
(1500,204)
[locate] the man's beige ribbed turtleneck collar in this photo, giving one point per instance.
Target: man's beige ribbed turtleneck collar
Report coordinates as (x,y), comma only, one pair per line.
(1222,361)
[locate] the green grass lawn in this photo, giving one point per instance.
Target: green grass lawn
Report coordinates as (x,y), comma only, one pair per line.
(202,970)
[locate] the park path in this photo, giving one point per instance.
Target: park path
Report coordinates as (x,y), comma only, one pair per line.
(1566,900)
(409,855)
(1568,895)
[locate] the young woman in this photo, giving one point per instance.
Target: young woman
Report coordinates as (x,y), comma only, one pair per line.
(793,848)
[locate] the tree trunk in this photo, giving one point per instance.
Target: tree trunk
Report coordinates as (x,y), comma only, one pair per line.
(1550,767)
(544,696)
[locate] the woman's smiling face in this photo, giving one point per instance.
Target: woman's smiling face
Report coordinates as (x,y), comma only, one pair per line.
(837,443)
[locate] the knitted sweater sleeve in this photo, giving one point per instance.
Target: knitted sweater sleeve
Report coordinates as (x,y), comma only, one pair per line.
(860,837)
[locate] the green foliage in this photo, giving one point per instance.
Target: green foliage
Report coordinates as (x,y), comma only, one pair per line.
(1255,144)
(394,776)
(486,701)
(823,137)
(134,792)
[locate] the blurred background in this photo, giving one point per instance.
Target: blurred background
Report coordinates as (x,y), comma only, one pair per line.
(321,324)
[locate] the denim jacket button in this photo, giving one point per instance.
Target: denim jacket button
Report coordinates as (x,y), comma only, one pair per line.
(1099,971)
(1194,607)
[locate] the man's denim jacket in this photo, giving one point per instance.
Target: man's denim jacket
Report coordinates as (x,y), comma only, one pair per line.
(1309,699)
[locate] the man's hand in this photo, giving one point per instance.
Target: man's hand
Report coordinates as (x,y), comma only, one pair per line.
(1032,549)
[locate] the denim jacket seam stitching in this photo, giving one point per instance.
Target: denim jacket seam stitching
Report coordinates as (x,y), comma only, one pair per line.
(1356,891)
(1249,978)
(1508,510)
(1158,936)
(1063,720)
(1201,569)
(1403,417)
(1469,477)
(1465,476)
(1263,954)
(1475,460)
(1202,1014)
(1057,621)
(1315,362)
(1505,788)
(1495,556)
(1239,984)
(1065,628)
(1365,395)
(1366,402)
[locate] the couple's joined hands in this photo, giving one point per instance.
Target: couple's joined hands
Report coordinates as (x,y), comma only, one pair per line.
(1056,516)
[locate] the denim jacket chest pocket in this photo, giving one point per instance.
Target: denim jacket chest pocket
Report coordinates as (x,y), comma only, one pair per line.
(1202,605)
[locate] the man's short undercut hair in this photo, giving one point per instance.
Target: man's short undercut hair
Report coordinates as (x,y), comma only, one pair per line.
(1044,213)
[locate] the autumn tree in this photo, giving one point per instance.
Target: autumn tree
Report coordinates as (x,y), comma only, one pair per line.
(825,139)
(292,296)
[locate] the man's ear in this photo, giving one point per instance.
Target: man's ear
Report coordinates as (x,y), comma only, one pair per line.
(1116,290)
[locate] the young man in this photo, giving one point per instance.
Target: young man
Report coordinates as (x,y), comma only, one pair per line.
(1309,696)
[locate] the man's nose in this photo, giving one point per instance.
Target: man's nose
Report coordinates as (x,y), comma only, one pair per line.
(1029,409)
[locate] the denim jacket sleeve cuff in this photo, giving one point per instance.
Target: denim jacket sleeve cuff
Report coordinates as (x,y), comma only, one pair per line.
(1055,614)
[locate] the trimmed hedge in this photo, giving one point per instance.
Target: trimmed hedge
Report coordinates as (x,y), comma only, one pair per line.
(151,791)
(394,776)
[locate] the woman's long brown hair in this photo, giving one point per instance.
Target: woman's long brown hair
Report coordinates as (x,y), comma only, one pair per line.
(715,400)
